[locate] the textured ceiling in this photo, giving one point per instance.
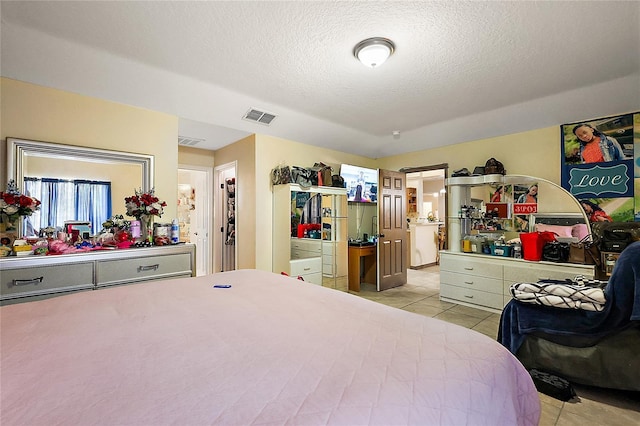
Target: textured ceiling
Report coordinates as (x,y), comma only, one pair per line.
(461,71)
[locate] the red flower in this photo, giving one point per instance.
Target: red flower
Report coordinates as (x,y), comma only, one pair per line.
(12,203)
(144,205)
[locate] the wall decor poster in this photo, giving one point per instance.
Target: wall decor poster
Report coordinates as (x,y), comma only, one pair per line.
(526,199)
(601,166)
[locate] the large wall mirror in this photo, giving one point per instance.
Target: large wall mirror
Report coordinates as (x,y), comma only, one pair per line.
(38,161)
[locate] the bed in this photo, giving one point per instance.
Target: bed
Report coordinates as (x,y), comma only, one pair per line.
(267,350)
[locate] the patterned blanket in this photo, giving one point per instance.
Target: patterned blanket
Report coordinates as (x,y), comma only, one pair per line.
(623,306)
(578,293)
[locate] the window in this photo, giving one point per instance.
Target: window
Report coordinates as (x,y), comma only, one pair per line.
(62,200)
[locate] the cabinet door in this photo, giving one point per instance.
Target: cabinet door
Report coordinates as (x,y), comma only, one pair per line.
(38,280)
(122,271)
(335,236)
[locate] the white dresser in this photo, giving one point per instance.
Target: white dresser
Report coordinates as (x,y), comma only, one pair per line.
(306,259)
(483,281)
(36,277)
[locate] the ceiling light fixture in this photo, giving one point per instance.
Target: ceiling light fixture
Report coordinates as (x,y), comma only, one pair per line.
(374,51)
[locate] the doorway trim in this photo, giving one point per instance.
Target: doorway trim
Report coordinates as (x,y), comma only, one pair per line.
(445,168)
(208,207)
(218,214)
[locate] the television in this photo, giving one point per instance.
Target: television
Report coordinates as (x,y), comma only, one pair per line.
(361,183)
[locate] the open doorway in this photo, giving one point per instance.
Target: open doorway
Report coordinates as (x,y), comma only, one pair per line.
(426,214)
(194,212)
(226,248)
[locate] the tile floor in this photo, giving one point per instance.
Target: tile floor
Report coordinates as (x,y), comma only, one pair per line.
(594,406)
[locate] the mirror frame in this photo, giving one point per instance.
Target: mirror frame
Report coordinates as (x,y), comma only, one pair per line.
(17,149)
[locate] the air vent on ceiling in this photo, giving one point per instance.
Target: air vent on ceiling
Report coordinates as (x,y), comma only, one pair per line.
(182,140)
(259,116)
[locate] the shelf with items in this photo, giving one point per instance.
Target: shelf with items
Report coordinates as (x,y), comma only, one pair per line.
(310,234)
(412,202)
(552,200)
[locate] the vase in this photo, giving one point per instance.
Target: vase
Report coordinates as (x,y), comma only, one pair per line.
(147,231)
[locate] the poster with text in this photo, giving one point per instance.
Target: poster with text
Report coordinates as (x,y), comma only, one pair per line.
(601,166)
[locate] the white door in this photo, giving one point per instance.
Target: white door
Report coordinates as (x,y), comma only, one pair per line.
(194,212)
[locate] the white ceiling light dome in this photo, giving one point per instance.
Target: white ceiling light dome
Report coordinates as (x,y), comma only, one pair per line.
(372,52)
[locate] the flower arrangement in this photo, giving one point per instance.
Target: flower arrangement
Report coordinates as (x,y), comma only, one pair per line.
(14,204)
(144,205)
(116,222)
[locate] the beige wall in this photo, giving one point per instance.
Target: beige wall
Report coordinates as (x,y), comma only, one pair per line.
(195,157)
(534,153)
(34,112)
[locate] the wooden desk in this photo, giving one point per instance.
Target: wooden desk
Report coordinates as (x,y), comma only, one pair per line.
(369,266)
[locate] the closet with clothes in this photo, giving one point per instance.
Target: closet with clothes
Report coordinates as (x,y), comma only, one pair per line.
(228,256)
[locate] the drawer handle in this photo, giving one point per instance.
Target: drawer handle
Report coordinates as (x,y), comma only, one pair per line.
(149,268)
(468,297)
(34,281)
(468,268)
(307,269)
(469,282)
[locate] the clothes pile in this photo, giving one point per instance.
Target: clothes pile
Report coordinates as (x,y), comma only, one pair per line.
(579,293)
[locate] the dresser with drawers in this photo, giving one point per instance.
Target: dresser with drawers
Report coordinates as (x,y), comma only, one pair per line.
(37,277)
(306,259)
(483,281)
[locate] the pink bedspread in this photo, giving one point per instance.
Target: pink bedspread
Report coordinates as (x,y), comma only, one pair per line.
(268,350)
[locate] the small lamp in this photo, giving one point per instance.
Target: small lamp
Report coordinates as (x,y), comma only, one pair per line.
(372,52)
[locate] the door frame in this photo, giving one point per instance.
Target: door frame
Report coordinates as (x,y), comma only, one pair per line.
(218,213)
(208,206)
(445,168)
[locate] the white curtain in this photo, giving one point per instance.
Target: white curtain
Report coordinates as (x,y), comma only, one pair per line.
(67,200)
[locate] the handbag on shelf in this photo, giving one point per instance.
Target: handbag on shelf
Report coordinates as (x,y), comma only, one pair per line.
(585,252)
(493,166)
(280,175)
(615,241)
(555,251)
(324,174)
(337,181)
(533,244)
(302,176)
